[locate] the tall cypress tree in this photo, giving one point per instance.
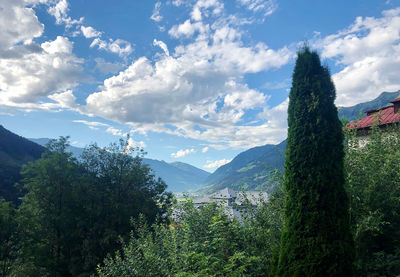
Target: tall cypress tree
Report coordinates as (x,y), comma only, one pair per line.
(316,239)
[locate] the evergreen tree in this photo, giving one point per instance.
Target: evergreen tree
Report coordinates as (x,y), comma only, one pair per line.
(316,239)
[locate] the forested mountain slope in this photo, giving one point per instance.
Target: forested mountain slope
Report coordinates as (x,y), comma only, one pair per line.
(14,152)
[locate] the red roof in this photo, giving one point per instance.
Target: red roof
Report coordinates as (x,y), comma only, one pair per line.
(395,100)
(385,115)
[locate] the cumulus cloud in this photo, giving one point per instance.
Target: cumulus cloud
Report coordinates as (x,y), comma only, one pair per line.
(205,149)
(197,90)
(90,32)
(187,29)
(182,153)
(118,46)
(60,13)
(369,53)
(216,164)
(53,68)
(64,99)
(204,7)
(18,24)
(156,12)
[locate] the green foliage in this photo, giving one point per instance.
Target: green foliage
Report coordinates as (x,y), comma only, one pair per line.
(203,242)
(7,235)
(316,239)
(372,171)
(75,212)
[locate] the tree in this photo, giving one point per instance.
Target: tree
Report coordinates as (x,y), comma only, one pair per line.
(316,239)
(77,211)
(8,233)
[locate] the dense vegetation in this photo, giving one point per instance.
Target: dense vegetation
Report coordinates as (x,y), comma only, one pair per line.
(316,239)
(201,242)
(373,184)
(75,212)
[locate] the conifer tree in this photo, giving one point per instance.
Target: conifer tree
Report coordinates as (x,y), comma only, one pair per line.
(316,239)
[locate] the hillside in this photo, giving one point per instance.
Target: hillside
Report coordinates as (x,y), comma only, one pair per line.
(180,177)
(250,170)
(14,152)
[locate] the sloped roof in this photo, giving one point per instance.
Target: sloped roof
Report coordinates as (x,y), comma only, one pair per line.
(383,116)
(225,193)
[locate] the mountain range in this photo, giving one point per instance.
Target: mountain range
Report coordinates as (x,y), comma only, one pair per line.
(249,170)
(180,177)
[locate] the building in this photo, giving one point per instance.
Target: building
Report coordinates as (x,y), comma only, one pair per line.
(383,117)
(233,202)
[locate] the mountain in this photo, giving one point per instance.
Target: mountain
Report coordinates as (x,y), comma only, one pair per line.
(14,152)
(250,170)
(354,112)
(180,177)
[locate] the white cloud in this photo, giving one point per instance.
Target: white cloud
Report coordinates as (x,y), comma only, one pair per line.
(64,99)
(60,12)
(136,144)
(202,7)
(115,132)
(197,89)
(187,29)
(90,32)
(119,46)
(369,52)
(18,24)
(91,123)
(266,7)
(49,68)
(156,12)
(216,164)
(205,149)
(182,153)
(162,45)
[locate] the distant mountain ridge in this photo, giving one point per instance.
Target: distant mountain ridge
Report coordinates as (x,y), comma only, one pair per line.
(250,170)
(14,152)
(353,112)
(179,177)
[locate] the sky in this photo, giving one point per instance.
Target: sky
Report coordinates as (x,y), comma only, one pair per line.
(196,81)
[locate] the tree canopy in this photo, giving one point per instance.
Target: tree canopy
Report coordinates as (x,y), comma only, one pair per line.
(316,239)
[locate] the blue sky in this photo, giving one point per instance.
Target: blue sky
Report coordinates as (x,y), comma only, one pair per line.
(196,81)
